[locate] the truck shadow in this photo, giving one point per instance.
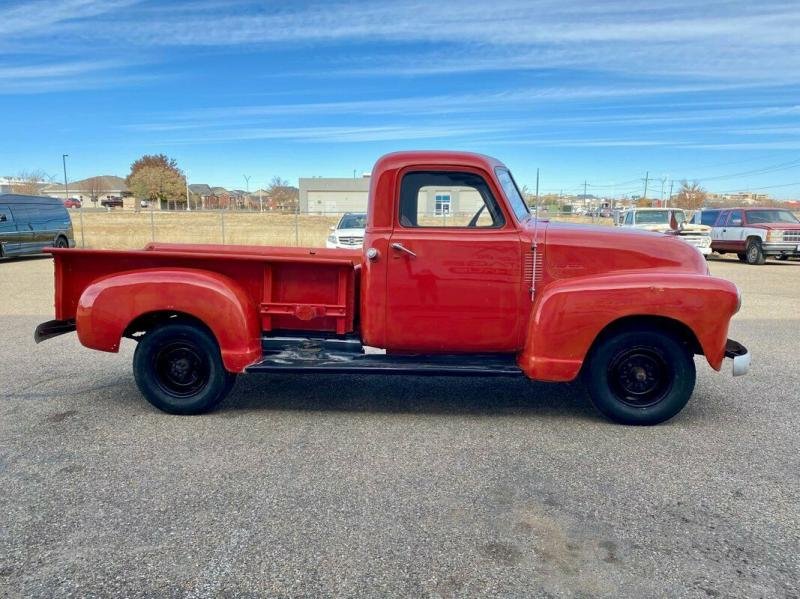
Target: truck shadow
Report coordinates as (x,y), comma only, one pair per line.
(26,258)
(484,396)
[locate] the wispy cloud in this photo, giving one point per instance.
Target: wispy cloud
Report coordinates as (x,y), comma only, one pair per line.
(33,18)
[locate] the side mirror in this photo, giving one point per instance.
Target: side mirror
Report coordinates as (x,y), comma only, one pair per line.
(331,229)
(3,218)
(736,222)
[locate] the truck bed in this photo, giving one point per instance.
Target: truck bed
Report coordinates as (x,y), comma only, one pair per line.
(305,289)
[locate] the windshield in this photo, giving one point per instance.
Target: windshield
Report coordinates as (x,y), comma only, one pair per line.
(659,217)
(770,216)
(353,221)
(512,194)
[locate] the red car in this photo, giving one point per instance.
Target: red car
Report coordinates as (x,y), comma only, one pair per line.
(455,278)
(72,203)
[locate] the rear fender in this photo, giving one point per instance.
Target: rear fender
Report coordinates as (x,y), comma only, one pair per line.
(109,305)
(570,314)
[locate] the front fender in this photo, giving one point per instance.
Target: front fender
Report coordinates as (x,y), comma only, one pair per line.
(569,315)
(109,305)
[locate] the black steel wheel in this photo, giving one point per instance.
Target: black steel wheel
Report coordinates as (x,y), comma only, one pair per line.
(640,376)
(179,369)
(61,242)
(754,252)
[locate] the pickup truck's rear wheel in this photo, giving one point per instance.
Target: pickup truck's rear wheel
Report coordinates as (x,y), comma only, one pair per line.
(640,377)
(179,369)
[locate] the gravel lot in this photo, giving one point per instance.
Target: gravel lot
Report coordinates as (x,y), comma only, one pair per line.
(357,486)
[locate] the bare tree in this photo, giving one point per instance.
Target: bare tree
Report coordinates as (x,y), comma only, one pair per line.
(30,183)
(281,195)
(95,187)
(691,196)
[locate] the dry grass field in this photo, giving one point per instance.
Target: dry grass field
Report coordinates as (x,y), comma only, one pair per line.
(129,230)
(126,230)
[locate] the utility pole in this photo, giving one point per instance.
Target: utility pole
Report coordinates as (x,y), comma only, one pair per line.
(260,200)
(247,186)
(187,192)
(585,201)
(669,199)
(646,179)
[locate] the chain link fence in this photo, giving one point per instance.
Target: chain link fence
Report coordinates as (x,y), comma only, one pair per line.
(128,229)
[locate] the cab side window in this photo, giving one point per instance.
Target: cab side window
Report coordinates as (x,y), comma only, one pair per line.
(735,218)
(629,218)
(708,217)
(448,199)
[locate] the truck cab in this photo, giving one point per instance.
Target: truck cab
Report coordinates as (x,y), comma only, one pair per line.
(455,277)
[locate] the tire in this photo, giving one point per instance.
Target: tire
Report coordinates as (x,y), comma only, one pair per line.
(754,252)
(61,242)
(179,369)
(742,257)
(782,257)
(640,377)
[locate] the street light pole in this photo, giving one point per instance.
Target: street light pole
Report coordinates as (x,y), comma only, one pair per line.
(66,187)
(66,197)
(247,187)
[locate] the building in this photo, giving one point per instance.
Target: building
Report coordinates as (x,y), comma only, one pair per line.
(93,189)
(324,194)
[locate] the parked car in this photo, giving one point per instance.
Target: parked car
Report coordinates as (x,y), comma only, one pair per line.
(503,294)
(111,202)
(72,203)
(28,224)
(349,232)
(753,234)
(671,221)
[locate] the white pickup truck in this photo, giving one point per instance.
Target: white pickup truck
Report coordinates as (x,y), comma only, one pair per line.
(671,221)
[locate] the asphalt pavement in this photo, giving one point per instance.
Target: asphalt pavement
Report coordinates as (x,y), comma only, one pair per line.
(323,486)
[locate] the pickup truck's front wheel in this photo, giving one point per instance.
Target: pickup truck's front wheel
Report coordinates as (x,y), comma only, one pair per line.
(640,377)
(178,368)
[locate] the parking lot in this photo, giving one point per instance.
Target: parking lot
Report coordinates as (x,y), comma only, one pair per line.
(357,486)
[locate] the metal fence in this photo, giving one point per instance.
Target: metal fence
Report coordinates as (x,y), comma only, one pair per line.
(130,229)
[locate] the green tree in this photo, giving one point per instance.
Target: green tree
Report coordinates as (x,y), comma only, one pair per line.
(155,178)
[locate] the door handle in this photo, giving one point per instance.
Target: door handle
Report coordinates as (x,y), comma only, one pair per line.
(401,248)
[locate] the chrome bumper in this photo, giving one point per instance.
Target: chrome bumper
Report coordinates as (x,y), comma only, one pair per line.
(740,356)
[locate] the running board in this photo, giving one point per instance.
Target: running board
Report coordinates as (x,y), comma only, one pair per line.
(321,360)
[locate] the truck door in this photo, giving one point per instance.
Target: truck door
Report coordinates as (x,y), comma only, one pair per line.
(733,232)
(26,236)
(9,237)
(454,266)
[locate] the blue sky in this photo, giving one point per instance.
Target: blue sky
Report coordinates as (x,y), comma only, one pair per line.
(596,91)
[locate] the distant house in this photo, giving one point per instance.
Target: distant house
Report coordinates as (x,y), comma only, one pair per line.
(93,189)
(200,193)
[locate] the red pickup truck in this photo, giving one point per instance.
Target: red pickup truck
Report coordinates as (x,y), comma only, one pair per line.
(455,278)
